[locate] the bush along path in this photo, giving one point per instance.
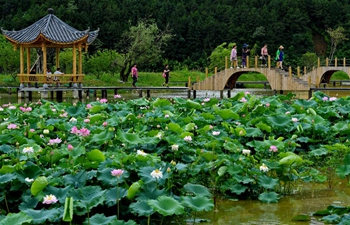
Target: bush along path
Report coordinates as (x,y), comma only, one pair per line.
(154,161)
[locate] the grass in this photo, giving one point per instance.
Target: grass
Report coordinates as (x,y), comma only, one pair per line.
(177,78)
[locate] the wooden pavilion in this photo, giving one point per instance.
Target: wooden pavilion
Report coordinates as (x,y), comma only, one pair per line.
(50,32)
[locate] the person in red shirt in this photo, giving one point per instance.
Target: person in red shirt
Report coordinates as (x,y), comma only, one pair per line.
(134,75)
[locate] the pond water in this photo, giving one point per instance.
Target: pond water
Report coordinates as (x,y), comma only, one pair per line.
(127,95)
(311,198)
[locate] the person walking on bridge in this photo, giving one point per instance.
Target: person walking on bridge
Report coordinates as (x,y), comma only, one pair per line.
(245,51)
(233,57)
(264,55)
(279,57)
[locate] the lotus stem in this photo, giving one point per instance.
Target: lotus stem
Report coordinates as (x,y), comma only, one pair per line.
(149,220)
(7,206)
(162,220)
(118,201)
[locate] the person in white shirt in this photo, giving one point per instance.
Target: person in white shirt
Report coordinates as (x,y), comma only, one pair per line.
(56,78)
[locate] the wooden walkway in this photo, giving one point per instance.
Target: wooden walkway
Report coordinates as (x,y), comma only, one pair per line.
(279,80)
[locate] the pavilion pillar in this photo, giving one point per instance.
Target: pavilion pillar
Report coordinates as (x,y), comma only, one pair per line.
(44,49)
(74,63)
(21,59)
(57,58)
(28,60)
(80,70)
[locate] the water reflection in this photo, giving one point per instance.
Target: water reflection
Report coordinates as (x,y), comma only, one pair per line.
(127,95)
(314,197)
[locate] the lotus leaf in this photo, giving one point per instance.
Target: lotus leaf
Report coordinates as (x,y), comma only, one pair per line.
(333,218)
(129,138)
(38,185)
(96,155)
(166,206)
(267,182)
(103,137)
(238,189)
(141,208)
(6,169)
(253,132)
(87,198)
(279,121)
(197,189)
(133,190)
(75,111)
(16,218)
(115,194)
(227,114)
(198,203)
(68,210)
(5,148)
(269,197)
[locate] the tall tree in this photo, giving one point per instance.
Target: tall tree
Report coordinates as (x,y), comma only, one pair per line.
(142,45)
(337,36)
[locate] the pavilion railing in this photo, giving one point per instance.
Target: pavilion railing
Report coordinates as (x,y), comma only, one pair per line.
(51,78)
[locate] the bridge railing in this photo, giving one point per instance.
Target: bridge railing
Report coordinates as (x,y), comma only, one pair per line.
(51,78)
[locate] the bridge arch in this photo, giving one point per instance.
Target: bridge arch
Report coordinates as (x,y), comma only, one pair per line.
(326,76)
(232,79)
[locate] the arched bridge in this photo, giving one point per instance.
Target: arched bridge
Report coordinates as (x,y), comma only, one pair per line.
(279,80)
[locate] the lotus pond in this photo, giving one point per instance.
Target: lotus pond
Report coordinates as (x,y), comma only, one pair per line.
(166,161)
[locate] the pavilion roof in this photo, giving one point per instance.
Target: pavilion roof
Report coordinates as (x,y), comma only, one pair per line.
(52,29)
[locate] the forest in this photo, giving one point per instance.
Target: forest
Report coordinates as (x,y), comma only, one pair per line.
(198,26)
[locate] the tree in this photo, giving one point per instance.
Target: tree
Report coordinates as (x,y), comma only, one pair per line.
(309,60)
(337,36)
(102,62)
(142,45)
(218,55)
(9,59)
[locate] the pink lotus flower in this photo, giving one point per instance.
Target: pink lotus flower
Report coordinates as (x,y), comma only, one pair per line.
(55,141)
(206,100)
(103,100)
(70,147)
(325,98)
(117,173)
(243,100)
(295,120)
(32,130)
(332,99)
(50,199)
(84,132)
(12,126)
(86,121)
(88,106)
(74,130)
(273,148)
(104,124)
(117,96)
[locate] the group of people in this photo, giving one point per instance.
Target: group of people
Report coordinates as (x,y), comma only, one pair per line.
(135,75)
(263,55)
(48,76)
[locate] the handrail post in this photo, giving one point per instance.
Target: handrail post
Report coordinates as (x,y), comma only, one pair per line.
(226,62)
(336,62)
(290,72)
(206,72)
(327,61)
(215,70)
(318,62)
(247,61)
(304,70)
(298,71)
(189,82)
(269,61)
(309,81)
(344,62)
(256,61)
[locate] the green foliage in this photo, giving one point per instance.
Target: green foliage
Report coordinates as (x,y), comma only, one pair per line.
(309,60)
(103,61)
(217,56)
